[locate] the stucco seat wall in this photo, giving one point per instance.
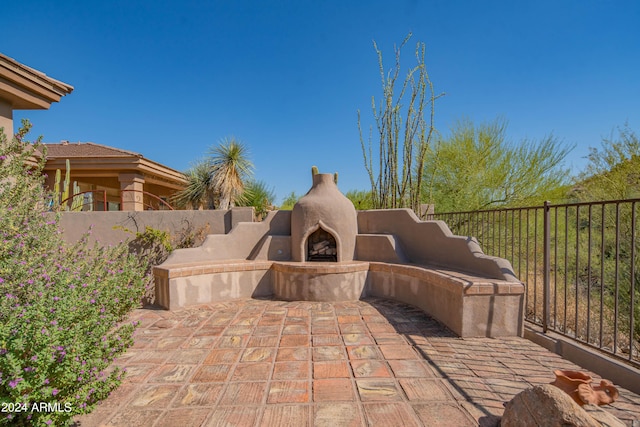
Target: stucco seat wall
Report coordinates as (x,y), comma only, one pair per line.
(470,306)
(188,284)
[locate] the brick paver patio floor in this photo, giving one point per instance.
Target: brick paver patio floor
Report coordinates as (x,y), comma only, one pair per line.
(274,363)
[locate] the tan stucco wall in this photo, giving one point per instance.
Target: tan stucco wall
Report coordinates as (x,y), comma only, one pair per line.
(432,243)
(105,231)
(243,242)
(224,286)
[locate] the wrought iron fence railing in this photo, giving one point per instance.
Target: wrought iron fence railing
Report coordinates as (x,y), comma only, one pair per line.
(97,200)
(580,263)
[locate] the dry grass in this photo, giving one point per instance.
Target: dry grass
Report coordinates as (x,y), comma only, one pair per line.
(583,317)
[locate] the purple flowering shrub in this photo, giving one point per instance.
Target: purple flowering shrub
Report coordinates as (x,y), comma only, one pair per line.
(63,308)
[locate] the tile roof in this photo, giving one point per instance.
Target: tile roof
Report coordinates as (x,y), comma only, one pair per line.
(85,149)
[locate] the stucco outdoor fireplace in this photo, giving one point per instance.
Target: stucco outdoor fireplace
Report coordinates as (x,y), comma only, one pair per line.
(325,250)
(324,224)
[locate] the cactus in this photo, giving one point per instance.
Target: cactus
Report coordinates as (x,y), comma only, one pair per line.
(61,195)
(78,199)
(314,170)
(67,181)
(335,177)
(55,197)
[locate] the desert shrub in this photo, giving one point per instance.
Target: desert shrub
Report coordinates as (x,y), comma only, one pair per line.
(62,308)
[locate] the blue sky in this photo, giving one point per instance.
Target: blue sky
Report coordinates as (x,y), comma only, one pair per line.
(169,79)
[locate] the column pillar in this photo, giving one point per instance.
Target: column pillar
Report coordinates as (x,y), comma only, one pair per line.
(131,200)
(6,118)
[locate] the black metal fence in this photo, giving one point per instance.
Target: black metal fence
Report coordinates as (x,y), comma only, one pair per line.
(580,263)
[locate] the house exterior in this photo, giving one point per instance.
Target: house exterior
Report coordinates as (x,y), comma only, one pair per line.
(112,178)
(23,88)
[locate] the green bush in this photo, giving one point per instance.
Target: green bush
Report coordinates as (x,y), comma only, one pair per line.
(62,308)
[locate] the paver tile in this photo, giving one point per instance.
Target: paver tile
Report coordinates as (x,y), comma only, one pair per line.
(295,329)
(363,352)
(134,417)
(336,414)
(423,389)
(293,353)
(324,329)
(330,369)
(234,341)
(172,373)
(202,394)
(169,343)
(353,328)
(258,354)
(357,339)
(294,341)
(211,373)
(292,370)
(324,340)
(243,393)
(138,372)
(378,389)
(148,356)
(333,389)
(410,368)
(328,353)
(443,414)
(370,368)
(288,392)
(390,415)
(155,396)
(285,415)
(226,355)
(238,416)
(185,417)
(391,351)
(253,371)
(263,341)
(271,330)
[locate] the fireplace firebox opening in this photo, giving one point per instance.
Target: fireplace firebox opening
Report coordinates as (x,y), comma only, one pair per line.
(322,246)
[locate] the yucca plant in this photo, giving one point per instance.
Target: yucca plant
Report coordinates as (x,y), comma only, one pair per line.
(230,169)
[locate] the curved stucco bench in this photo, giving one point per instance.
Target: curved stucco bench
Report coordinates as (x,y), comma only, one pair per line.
(469,305)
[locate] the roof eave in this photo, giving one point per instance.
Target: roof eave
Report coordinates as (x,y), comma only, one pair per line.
(27,88)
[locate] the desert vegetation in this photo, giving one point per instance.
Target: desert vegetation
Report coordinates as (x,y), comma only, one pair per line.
(63,308)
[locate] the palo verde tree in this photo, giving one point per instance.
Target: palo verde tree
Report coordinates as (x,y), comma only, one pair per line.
(478,167)
(404,122)
(613,170)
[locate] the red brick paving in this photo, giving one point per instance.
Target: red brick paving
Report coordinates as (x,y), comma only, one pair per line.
(274,363)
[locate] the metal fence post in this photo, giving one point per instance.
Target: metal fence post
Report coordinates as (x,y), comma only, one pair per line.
(546,266)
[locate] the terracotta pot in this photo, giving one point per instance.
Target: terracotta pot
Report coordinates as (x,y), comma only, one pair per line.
(578,386)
